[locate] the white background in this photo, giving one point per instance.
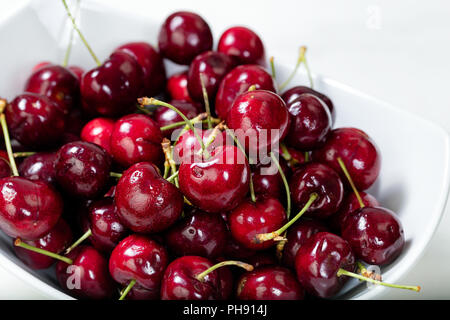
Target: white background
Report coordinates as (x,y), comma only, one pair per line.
(398,51)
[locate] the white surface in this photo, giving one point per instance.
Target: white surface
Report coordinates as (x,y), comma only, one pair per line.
(396,51)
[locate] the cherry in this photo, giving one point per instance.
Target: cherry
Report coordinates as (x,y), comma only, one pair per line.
(194,278)
(310,123)
(321,179)
(243,44)
(151,63)
(98,131)
(269,283)
(292,94)
(57,83)
(139,260)
(145,201)
(294,157)
(177,86)
(375,234)
(136,138)
(85,274)
(165,116)
(82,169)
(218,183)
(56,240)
(235,250)
(262,259)
(268,185)
(183,36)
(77,71)
(226,283)
(5,168)
(40,65)
(297,235)
(39,166)
(358,152)
(35,121)
(261,116)
(212,66)
(238,81)
(112,88)
(140,293)
(250,219)
(199,233)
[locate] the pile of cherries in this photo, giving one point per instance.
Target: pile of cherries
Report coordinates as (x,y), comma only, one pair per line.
(126,213)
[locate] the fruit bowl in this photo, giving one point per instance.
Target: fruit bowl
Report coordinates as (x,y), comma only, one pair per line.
(411,183)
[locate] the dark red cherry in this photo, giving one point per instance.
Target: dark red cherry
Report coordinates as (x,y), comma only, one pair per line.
(293,93)
(5,168)
(269,283)
(151,63)
(183,36)
(35,120)
(235,250)
(39,166)
(243,44)
(199,233)
(297,235)
(75,121)
(112,88)
(358,152)
(310,123)
(177,87)
(261,117)
(58,239)
(82,169)
(57,83)
(99,131)
(252,218)
(106,227)
(218,183)
(213,66)
(40,65)
(268,183)
(165,116)
(375,235)
(321,179)
(88,276)
(262,259)
(140,293)
(145,201)
(226,283)
(318,261)
(136,138)
(139,258)
(238,81)
(77,71)
(28,209)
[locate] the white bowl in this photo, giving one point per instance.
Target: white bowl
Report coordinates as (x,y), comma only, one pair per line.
(412,183)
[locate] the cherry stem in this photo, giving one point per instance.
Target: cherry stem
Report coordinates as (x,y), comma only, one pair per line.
(350,180)
(206,100)
(115,175)
(217,129)
(366,273)
(252,88)
(272,68)
(173,176)
(201,276)
(86,235)
(306,156)
(301,58)
(182,123)
(97,61)
(12,162)
(276,234)
(343,272)
(168,154)
(285,152)
(69,45)
(166,169)
(127,289)
(23,154)
(19,243)
(286,185)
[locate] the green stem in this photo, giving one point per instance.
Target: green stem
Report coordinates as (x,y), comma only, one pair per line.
(97,61)
(166,169)
(306,156)
(343,272)
(308,72)
(285,152)
(182,123)
(252,88)
(69,46)
(173,176)
(127,289)
(19,243)
(115,175)
(86,235)
(350,180)
(272,68)
(301,58)
(201,276)
(206,100)
(286,185)
(23,154)
(12,162)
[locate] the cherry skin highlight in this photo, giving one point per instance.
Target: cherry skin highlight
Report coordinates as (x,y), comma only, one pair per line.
(293,93)
(177,87)
(39,166)
(98,131)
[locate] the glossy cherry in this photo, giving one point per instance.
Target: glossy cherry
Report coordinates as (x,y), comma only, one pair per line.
(218,183)
(293,93)
(177,86)
(321,179)
(318,262)
(39,166)
(269,283)
(243,44)
(358,152)
(183,36)
(58,239)
(238,81)
(35,120)
(145,201)
(99,131)
(310,123)
(136,138)
(165,116)
(5,168)
(77,71)
(266,183)
(375,235)
(139,258)
(213,66)
(199,233)
(82,169)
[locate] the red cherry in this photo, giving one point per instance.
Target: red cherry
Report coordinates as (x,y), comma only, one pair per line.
(177,87)
(268,185)
(99,131)
(39,166)
(165,116)
(78,71)
(293,93)
(40,65)
(5,168)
